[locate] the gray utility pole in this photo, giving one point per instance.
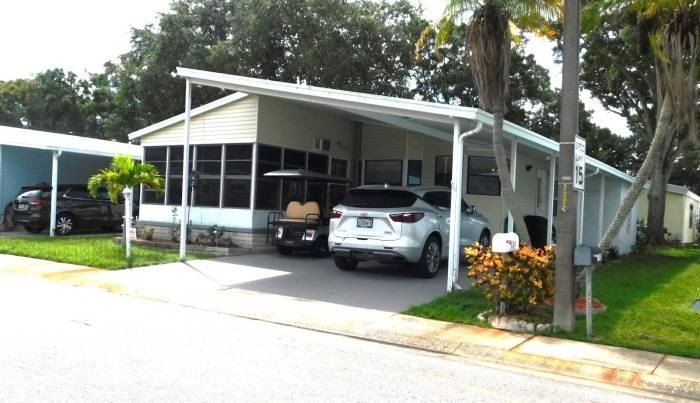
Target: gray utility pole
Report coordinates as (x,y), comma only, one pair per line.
(564,276)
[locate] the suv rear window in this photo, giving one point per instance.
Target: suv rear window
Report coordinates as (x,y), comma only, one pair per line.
(379,198)
(30,194)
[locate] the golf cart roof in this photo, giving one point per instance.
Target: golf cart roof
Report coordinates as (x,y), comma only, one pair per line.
(305,175)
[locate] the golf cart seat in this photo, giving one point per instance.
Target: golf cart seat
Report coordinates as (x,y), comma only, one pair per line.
(309,213)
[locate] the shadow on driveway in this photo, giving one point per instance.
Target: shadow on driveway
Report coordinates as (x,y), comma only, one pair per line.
(373,285)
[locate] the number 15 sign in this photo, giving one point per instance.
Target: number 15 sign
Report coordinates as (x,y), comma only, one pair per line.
(580,163)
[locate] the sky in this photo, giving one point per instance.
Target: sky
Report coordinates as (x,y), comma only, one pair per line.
(81,35)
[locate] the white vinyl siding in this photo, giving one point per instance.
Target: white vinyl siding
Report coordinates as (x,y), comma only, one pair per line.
(232,123)
(291,125)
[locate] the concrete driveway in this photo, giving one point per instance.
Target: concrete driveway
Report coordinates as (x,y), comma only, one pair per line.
(373,286)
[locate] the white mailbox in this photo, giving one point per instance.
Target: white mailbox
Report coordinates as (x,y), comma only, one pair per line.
(505,243)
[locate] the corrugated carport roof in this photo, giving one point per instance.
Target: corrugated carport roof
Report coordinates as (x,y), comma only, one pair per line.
(13,136)
(425,117)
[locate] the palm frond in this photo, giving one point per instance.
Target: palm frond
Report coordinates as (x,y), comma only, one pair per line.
(123,173)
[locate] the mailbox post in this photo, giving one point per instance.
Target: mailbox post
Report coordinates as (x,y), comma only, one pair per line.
(505,243)
(588,257)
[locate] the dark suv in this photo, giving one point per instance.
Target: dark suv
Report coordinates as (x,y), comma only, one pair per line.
(75,207)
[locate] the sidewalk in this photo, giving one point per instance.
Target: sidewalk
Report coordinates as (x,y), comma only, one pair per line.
(209,285)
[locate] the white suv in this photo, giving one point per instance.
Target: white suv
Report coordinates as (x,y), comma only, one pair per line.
(397,224)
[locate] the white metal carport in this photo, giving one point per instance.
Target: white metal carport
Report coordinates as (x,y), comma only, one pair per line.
(58,144)
(443,121)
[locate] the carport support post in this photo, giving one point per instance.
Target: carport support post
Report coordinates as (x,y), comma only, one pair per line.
(185,171)
(54,192)
(455,207)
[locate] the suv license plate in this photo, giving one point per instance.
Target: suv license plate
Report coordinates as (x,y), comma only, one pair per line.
(364,222)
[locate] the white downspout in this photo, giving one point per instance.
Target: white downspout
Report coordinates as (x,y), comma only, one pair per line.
(456,202)
(185,171)
(513,171)
(550,198)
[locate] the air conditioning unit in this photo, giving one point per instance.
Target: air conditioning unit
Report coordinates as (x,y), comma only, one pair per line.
(321,144)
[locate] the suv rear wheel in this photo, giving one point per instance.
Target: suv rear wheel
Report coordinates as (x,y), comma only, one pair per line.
(345,263)
(33,230)
(429,263)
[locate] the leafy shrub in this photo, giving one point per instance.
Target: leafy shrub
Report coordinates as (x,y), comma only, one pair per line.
(522,279)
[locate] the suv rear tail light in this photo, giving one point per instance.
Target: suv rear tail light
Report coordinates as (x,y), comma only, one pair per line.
(336,213)
(406,217)
(37,202)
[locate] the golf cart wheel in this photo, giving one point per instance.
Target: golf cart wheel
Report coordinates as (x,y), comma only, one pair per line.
(65,223)
(345,263)
(33,230)
(284,250)
(320,248)
(429,263)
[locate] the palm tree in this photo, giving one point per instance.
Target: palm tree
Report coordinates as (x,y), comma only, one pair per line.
(491,25)
(124,174)
(671,29)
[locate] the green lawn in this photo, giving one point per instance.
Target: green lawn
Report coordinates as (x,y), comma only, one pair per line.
(648,299)
(91,250)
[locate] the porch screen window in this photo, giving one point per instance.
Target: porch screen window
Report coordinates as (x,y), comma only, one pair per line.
(318,163)
(379,172)
(443,170)
(237,175)
(294,159)
(208,166)
(174,180)
(339,167)
(413,176)
(267,193)
(482,177)
(157,156)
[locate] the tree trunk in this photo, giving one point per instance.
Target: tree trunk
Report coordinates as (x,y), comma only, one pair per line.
(507,191)
(660,176)
(663,129)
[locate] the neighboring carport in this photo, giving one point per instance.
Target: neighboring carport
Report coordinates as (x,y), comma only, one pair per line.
(459,125)
(28,157)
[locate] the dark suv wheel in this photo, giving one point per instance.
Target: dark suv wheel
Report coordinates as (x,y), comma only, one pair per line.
(33,230)
(65,223)
(345,263)
(429,263)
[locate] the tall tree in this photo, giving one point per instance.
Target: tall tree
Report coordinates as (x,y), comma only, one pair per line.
(286,40)
(670,28)
(619,69)
(488,38)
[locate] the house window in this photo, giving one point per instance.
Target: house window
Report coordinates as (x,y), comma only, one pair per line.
(482,176)
(237,179)
(267,192)
(318,163)
(158,157)
(414,172)
(379,172)
(208,167)
(443,170)
(339,167)
(174,180)
(294,159)
(691,218)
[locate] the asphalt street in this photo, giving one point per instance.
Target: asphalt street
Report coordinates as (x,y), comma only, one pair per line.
(62,343)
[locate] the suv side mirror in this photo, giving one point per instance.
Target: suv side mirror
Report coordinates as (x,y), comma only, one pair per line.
(470,210)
